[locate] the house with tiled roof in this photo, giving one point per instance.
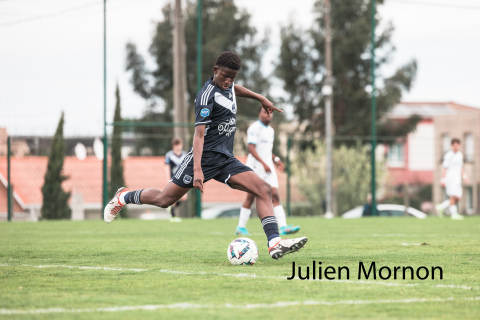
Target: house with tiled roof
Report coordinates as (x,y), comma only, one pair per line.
(85,179)
(416,159)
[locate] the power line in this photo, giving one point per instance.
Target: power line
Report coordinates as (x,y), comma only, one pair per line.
(433,4)
(54,14)
(49,15)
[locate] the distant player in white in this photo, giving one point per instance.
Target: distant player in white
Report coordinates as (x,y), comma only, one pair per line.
(452,180)
(261,159)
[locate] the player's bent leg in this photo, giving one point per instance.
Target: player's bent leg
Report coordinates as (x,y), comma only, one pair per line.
(250,182)
(165,199)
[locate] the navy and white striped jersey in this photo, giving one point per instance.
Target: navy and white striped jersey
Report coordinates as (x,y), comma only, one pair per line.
(216,109)
(174,161)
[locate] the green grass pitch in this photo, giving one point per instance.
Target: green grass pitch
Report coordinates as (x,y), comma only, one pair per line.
(163,270)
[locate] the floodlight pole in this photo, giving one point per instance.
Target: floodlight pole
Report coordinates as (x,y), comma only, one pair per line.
(327,93)
(198,202)
(373,112)
(105,141)
(9,180)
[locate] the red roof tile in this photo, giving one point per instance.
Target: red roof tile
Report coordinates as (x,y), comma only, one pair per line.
(85,177)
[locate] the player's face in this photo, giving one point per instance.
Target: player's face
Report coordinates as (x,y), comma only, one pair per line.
(223,77)
(177,149)
(265,117)
(455,147)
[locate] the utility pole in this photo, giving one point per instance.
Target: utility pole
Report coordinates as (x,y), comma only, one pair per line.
(373,112)
(198,194)
(179,74)
(105,140)
(327,93)
(180,86)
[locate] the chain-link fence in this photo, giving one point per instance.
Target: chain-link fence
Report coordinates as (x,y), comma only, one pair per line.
(408,173)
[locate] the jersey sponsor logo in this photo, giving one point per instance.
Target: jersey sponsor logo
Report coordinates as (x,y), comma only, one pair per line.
(187,179)
(229,95)
(204,112)
(227,127)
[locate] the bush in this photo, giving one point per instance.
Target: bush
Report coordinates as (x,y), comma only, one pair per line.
(351,176)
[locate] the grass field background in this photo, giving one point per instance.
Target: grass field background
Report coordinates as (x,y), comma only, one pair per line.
(186,274)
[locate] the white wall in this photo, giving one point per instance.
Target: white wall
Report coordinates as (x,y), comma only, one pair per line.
(421,148)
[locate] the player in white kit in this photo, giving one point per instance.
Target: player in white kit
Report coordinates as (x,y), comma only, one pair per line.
(452,180)
(261,159)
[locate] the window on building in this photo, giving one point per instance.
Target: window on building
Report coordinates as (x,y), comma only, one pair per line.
(396,155)
(445,143)
(469,147)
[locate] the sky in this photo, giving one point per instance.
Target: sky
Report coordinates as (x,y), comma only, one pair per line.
(51,56)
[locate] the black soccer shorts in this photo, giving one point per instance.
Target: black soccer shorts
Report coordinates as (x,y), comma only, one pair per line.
(215,165)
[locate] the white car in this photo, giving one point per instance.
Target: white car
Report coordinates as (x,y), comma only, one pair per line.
(222,211)
(386,210)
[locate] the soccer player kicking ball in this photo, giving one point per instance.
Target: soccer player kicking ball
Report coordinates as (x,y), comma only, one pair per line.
(173,160)
(260,158)
(211,156)
(452,180)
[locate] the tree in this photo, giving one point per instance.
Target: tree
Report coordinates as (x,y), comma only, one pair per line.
(55,199)
(116,168)
(301,67)
(156,86)
(351,172)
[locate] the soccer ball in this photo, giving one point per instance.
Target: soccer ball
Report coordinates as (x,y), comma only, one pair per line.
(242,251)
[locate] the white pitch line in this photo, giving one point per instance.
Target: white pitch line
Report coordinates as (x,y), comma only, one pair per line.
(411,244)
(75,267)
(187,305)
(246,275)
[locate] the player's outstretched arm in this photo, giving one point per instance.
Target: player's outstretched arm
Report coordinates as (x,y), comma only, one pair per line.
(245,93)
(198,140)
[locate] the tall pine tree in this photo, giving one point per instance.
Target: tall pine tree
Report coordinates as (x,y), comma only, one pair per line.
(116,168)
(55,199)
(301,67)
(225,28)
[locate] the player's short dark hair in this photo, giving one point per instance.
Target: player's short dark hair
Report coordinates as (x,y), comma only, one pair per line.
(260,109)
(455,140)
(177,141)
(229,60)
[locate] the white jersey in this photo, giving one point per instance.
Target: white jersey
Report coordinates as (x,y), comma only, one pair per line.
(453,162)
(262,137)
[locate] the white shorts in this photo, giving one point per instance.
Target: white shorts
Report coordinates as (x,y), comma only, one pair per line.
(270,178)
(453,190)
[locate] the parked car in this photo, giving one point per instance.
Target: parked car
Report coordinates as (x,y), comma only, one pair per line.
(222,211)
(386,210)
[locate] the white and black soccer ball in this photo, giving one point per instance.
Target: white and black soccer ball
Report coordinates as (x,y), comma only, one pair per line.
(242,251)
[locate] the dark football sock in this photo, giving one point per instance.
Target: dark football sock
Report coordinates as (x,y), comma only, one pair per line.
(270,227)
(172,211)
(133,197)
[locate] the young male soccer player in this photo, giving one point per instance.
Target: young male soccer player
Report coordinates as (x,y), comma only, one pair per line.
(261,159)
(173,160)
(452,180)
(211,156)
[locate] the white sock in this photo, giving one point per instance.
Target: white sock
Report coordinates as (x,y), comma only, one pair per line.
(244,216)
(280,215)
(445,204)
(121,199)
(273,241)
(453,210)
